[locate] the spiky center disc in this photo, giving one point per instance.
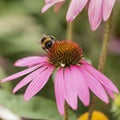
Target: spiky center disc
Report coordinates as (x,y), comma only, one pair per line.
(64,53)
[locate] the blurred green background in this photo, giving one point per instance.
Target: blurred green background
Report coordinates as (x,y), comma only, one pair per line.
(22,25)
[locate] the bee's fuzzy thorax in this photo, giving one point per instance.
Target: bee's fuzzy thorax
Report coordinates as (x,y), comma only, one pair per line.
(65,53)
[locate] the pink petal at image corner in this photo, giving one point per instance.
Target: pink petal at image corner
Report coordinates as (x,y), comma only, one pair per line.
(107,8)
(75,7)
(95,13)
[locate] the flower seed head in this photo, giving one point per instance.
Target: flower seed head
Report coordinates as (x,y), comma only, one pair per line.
(64,53)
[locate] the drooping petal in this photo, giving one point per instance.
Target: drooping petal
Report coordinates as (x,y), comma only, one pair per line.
(30,61)
(95,13)
(19,74)
(100,77)
(107,8)
(49,4)
(70,88)
(59,91)
(46,7)
(52,1)
(46,1)
(38,83)
(29,78)
(94,85)
(109,92)
(58,6)
(76,6)
(82,87)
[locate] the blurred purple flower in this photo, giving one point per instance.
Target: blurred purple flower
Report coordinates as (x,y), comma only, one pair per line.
(97,10)
(74,77)
(114,45)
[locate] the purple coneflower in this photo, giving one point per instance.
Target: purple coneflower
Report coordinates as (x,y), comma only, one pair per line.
(97,9)
(74,77)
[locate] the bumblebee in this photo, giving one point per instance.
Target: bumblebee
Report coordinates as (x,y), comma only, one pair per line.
(47,42)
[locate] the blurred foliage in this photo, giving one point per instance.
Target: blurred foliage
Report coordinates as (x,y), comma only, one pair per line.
(22,25)
(116,107)
(33,109)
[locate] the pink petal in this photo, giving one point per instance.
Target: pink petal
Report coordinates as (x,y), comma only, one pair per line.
(38,83)
(76,6)
(29,78)
(82,87)
(107,8)
(58,6)
(46,7)
(49,4)
(19,74)
(95,13)
(59,91)
(94,85)
(52,1)
(30,61)
(70,88)
(100,77)
(109,92)
(46,1)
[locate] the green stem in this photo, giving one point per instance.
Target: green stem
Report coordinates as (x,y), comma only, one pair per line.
(106,38)
(69,32)
(102,59)
(66,111)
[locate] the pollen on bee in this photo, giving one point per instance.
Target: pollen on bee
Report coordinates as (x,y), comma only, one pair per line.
(65,53)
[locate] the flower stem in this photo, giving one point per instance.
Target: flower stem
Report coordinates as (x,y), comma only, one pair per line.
(69,32)
(66,111)
(106,38)
(102,59)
